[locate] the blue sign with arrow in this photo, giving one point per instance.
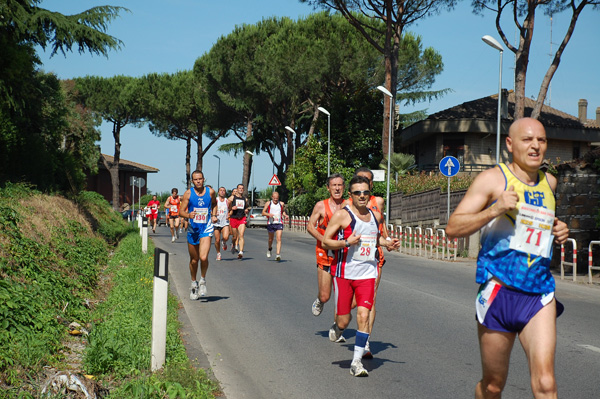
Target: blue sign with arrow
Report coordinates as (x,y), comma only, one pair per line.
(449,166)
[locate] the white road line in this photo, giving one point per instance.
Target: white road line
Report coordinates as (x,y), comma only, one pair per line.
(590,347)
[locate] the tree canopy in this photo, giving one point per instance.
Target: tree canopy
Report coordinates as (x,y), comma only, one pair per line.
(522,13)
(39,118)
(382,24)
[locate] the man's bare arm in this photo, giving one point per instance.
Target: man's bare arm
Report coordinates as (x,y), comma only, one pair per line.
(184,205)
(315,216)
(340,219)
(473,211)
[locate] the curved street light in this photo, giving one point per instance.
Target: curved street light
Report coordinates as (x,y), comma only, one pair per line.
(323,110)
(387,195)
(490,41)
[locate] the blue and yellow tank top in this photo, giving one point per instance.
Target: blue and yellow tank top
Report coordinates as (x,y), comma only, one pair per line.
(516,247)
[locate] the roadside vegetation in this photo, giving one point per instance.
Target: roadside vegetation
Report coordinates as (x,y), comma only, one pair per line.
(59,265)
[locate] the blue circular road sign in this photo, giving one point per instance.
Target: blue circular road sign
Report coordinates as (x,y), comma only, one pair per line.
(449,166)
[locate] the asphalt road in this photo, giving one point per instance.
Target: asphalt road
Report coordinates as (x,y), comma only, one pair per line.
(255,329)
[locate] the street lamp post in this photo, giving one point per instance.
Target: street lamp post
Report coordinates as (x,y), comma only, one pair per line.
(387,195)
(289,129)
(490,41)
(252,172)
(219,172)
(323,110)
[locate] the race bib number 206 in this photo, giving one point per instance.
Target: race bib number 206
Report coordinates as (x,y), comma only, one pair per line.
(533,231)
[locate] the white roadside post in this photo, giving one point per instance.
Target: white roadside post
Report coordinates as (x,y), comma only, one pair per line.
(145,235)
(159,308)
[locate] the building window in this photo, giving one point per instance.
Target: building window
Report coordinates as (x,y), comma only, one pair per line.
(455,148)
(576,151)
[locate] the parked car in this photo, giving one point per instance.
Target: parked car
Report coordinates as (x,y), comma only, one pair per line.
(162,218)
(255,218)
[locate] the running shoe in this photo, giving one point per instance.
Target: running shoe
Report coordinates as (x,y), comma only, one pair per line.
(218,256)
(224,245)
(278,258)
(240,255)
(317,307)
(357,369)
(194,291)
(268,253)
(202,287)
(335,334)
(233,249)
(173,239)
(367,354)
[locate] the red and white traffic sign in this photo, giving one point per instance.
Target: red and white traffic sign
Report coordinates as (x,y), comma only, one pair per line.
(274,181)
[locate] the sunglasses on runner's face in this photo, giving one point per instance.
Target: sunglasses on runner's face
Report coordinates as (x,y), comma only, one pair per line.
(364,192)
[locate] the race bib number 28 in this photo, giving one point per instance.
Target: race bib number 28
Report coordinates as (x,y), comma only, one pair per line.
(533,231)
(367,247)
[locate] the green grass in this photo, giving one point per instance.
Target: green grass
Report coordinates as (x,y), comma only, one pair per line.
(54,263)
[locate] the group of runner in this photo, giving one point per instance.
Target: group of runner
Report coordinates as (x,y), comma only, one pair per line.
(350,234)
(510,203)
(214,214)
(513,204)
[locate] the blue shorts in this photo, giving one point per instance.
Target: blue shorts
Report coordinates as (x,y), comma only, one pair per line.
(504,309)
(272,228)
(198,231)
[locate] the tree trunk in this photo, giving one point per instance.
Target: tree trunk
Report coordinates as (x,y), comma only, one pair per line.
(522,61)
(199,154)
(555,62)
(114,167)
(188,158)
(247,162)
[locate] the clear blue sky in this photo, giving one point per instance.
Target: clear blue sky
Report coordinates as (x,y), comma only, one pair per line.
(168,36)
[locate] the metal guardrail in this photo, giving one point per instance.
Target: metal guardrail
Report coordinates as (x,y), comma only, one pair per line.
(564,263)
(590,260)
(416,241)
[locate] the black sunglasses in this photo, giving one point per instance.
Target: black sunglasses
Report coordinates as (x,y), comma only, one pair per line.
(364,192)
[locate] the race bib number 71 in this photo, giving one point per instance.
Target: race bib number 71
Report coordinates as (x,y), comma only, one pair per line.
(533,231)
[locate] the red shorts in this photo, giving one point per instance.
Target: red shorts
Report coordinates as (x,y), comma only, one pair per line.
(235,223)
(152,216)
(364,290)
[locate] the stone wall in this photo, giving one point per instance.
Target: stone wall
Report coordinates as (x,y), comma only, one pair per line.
(577,204)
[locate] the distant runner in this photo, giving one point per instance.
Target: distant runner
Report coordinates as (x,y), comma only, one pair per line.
(275,211)
(222,224)
(153,205)
(172,206)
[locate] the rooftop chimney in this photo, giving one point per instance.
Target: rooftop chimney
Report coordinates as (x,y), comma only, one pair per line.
(598,116)
(582,116)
